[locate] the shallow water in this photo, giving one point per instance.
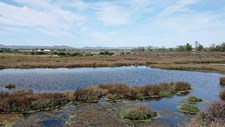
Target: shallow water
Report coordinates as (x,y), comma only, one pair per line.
(205,85)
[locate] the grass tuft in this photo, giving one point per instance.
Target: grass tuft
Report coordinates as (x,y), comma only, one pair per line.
(26,101)
(194,100)
(138,113)
(10,86)
(222,95)
(189,108)
(222,81)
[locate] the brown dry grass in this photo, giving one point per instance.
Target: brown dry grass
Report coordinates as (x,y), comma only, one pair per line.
(222,81)
(222,95)
(175,60)
(10,86)
(25,101)
(122,91)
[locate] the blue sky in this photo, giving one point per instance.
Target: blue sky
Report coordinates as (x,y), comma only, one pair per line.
(113,23)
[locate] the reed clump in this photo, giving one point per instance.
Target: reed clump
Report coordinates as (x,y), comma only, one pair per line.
(222,95)
(222,81)
(10,86)
(189,108)
(27,101)
(115,92)
(194,100)
(138,112)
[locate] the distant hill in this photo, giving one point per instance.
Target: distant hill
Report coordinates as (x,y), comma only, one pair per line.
(35,47)
(102,48)
(69,47)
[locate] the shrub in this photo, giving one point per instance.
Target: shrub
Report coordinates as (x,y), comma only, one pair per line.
(62,54)
(182,86)
(222,95)
(25,101)
(222,81)
(106,53)
(193,99)
(112,97)
(86,95)
(189,108)
(138,113)
(10,86)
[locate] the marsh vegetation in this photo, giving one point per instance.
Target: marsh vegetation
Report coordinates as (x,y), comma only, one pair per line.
(214,116)
(115,92)
(10,86)
(28,101)
(164,95)
(138,112)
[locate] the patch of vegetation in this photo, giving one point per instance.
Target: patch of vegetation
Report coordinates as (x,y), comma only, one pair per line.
(193,100)
(214,116)
(138,113)
(189,108)
(26,101)
(106,53)
(115,92)
(166,93)
(222,81)
(222,95)
(10,86)
(182,86)
(89,95)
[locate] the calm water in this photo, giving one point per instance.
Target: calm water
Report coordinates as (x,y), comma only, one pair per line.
(205,85)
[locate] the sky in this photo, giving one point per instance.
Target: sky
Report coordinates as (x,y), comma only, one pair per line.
(112,23)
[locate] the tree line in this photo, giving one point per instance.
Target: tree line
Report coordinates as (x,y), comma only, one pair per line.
(185,48)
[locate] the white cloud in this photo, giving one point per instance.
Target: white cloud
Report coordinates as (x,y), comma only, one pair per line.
(52,21)
(111,14)
(36,4)
(179,6)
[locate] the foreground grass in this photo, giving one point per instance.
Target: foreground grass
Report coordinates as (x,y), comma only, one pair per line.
(214,116)
(28,101)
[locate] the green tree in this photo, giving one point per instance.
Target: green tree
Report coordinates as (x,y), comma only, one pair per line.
(188,47)
(199,47)
(180,48)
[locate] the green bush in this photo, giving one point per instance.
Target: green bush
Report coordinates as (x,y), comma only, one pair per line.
(138,113)
(193,99)
(106,53)
(182,86)
(189,108)
(166,93)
